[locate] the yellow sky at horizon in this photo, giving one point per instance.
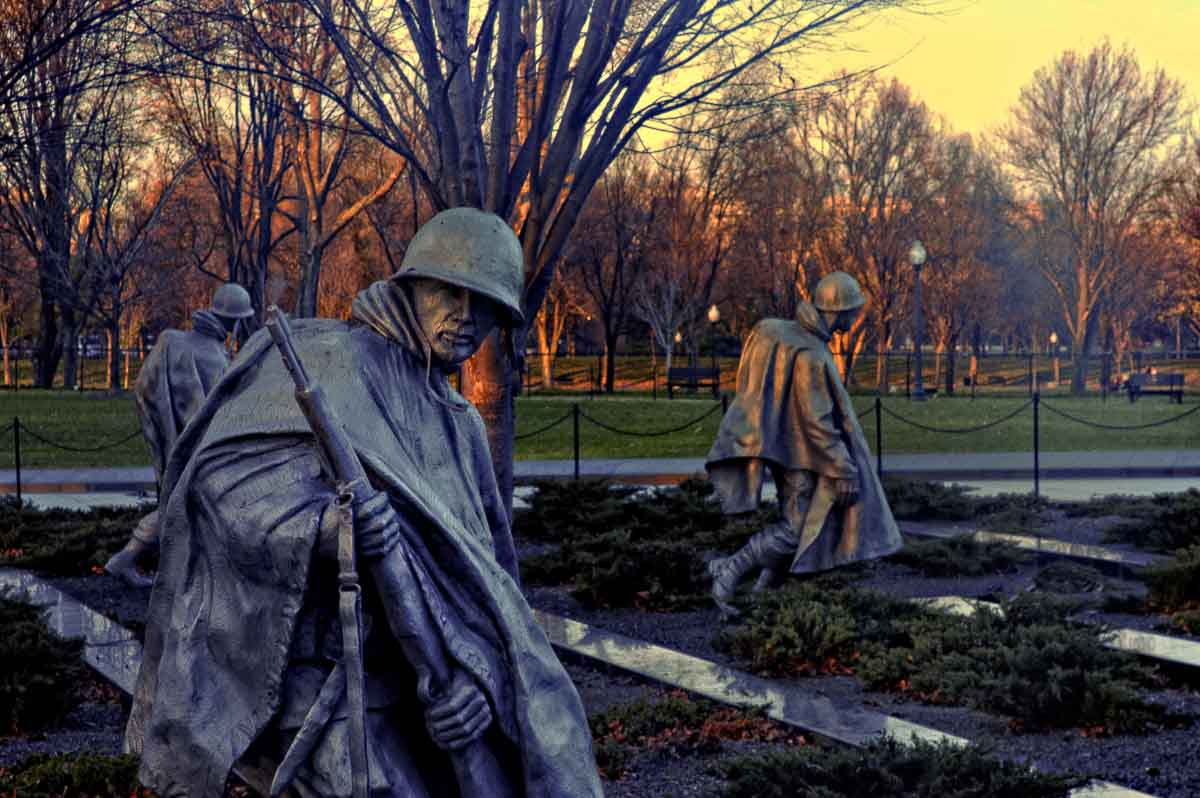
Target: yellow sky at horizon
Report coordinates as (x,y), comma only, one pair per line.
(970,62)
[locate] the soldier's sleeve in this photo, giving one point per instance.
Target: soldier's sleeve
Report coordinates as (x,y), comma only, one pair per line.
(820,423)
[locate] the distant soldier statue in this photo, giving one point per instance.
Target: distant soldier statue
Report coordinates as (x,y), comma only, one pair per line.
(176,376)
(259,655)
(792,417)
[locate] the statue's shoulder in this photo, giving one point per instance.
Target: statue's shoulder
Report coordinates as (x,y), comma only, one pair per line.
(785,332)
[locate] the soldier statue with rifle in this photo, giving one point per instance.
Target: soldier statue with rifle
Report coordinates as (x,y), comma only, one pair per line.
(338,610)
(178,373)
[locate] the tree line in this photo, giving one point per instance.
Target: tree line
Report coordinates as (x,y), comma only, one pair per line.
(655,159)
(1077,218)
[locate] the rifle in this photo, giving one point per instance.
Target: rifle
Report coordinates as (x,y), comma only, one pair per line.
(476,768)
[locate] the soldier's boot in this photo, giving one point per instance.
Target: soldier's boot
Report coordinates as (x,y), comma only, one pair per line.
(726,572)
(767,579)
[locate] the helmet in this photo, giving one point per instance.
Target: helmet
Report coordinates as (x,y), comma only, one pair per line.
(232,301)
(838,291)
(472,249)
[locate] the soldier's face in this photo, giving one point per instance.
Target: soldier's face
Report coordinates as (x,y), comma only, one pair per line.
(454,320)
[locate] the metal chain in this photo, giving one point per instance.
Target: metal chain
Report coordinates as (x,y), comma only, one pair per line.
(1118,427)
(80,449)
(546,428)
(957,430)
(636,434)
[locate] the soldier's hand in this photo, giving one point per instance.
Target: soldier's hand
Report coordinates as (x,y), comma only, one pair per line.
(846,491)
(376,524)
(460,715)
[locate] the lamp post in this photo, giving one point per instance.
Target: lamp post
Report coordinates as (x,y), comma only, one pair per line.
(1054,347)
(917,256)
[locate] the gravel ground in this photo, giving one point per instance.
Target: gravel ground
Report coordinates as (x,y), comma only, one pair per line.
(95,726)
(1166,764)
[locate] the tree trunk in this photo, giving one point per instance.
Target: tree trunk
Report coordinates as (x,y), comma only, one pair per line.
(6,336)
(546,355)
(49,347)
(950,370)
(70,350)
(610,363)
(487,384)
(1079,377)
(114,354)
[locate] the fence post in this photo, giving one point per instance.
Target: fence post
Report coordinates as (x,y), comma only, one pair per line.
(17,453)
(724,404)
(1029,370)
(1037,447)
(908,376)
(575,419)
(654,382)
(878,437)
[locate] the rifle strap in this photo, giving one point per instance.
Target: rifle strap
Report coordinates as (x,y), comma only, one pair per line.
(350,613)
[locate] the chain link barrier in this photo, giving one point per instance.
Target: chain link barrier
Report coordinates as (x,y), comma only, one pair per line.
(546,428)
(1118,427)
(79,449)
(659,433)
(958,430)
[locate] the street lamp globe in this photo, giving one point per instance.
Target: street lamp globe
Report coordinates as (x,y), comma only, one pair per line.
(678,337)
(714,314)
(1053,339)
(917,254)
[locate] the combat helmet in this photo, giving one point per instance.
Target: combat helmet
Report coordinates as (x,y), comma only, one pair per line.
(473,249)
(232,301)
(838,291)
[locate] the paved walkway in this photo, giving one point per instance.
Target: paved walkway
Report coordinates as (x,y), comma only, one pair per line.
(949,467)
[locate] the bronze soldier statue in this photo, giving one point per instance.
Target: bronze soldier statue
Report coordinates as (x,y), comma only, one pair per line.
(178,373)
(793,417)
(245,667)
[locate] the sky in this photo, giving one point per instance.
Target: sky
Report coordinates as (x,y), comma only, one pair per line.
(970,62)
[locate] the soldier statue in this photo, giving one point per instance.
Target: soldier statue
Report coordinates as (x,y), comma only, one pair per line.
(178,373)
(245,668)
(792,417)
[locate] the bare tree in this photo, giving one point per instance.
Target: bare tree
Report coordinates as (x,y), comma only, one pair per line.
(528,103)
(1090,134)
(612,246)
(877,142)
(969,216)
(68,102)
(235,122)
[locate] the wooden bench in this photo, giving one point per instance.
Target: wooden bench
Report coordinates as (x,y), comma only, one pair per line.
(1166,383)
(693,379)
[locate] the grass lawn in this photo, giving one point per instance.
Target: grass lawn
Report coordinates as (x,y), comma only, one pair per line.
(92,419)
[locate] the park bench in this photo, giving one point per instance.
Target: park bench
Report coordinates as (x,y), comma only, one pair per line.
(693,378)
(1167,383)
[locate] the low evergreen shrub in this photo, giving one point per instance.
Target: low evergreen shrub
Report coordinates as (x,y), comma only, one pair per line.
(37,671)
(63,542)
(73,776)
(888,770)
(1029,664)
(1175,584)
(1169,522)
(646,553)
(917,500)
(678,724)
(961,556)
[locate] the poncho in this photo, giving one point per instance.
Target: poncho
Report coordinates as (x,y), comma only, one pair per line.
(178,373)
(238,552)
(792,411)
